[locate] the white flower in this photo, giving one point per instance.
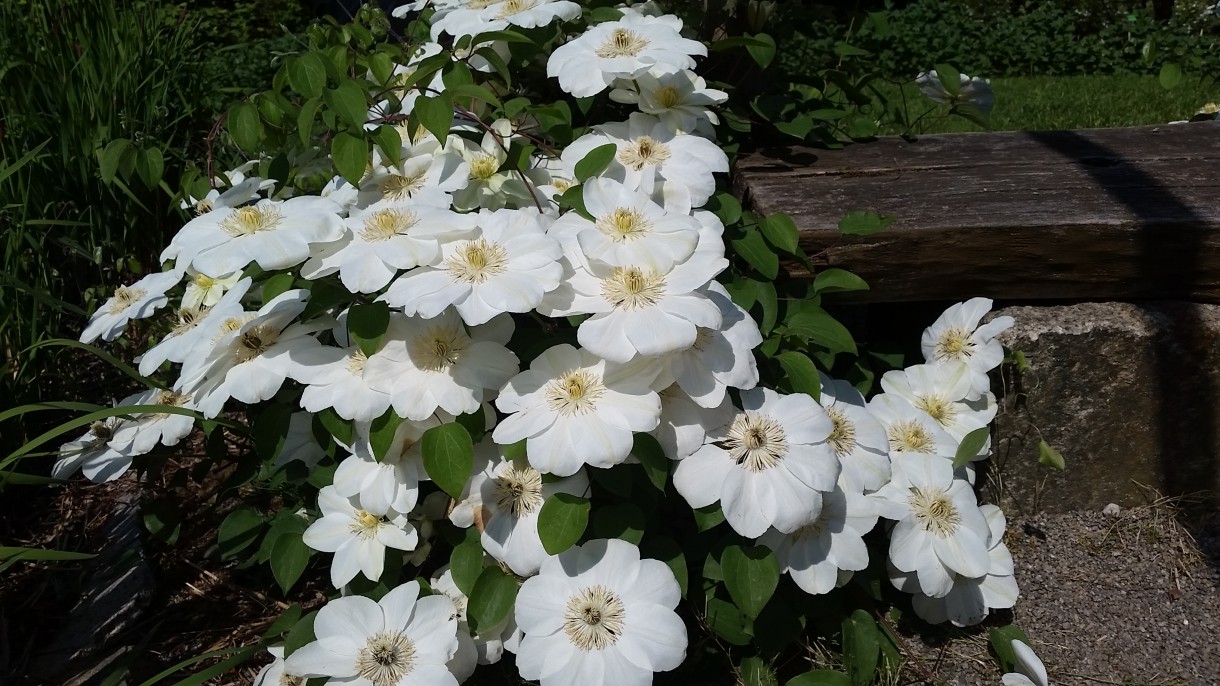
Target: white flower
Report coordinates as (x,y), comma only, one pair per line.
(910,430)
(204,291)
(147,430)
(487,645)
(956,335)
(684,424)
(573,408)
(681,100)
(814,554)
(427,175)
(598,614)
(334,378)
(275,234)
(136,301)
(508,267)
(940,531)
(497,16)
(299,443)
(426,364)
(508,495)
(942,391)
(721,357)
(96,453)
(858,439)
(768,467)
(973,90)
(391,483)
(1030,670)
(241,191)
(197,327)
(340,192)
(384,238)
(273,674)
(401,640)
(358,536)
(625,49)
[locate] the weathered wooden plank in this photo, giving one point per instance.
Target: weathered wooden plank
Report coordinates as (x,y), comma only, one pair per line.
(1104,213)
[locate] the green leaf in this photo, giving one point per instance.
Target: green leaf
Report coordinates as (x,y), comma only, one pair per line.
(818,326)
(11,555)
(472,91)
(163,520)
(623,521)
(726,207)
(781,231)
(820,677)
(245,126)
(381,433)
(728,622)
(382,67)
(448,456)
(389,142)
(305,119)
(350,155)
(756,672)
(835,279)
(668,551)
(595,162)
(708,516)
(860,223)
(750,575)
(970,446)
(493,596)
(574,199)
(466,563)
(1001,638)
(861,647)
(275,286)
(768,298)
(950,79)
(338,427)
(151,166)
(801,373)
(238,531)
(300,634)
(762,49)
(307,75)
(562,522)
(1050,457)
(798,128)
(753,249)
(367,324)
(1170,76)
(350,102)
(289,557)
(652,457)
(436,114)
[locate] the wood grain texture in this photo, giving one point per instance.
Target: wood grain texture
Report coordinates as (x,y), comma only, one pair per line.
(1105,213)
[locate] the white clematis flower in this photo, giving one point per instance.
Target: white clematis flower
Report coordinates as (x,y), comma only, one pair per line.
(427,175)
(274,674)
(599,614)
(768,467)
(204,291)
(483,17)
(685,424)
(622,49)
(858,439)
(573,408)
(300,444)
(814,554)
(1030,670)
(358,536)
(197,329)
(487,645)
(391,483)
(681,100)
(971,89)
(956,335)
(147,430)
(401,640)
(97,453)
(135,301)
(720,358)
(910,430)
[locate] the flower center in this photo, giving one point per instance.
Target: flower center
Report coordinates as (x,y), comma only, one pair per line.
(642,152)
(562,185)
(519,491)
(438,348)
(512,7)
(935,511)
(189,318)
(255,342)
(475,261)
(910,437)
(289,680)
(483,166)
(124,298)
(247,221)
(575,392)
(356,361)
(204,206)
(938,407)
(203,281)
(623,225)
(101,431)
(756,441)
(399,187)
(480,4)
(386,658)
(622,43)
(593,619)
(630,288)
(668,97)
(383,225)
(843,434)
(365,524)
(954,342)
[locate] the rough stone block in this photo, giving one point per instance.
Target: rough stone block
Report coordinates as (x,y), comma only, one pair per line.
(1128,393)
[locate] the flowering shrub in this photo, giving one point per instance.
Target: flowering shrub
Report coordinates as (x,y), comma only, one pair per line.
(533,386)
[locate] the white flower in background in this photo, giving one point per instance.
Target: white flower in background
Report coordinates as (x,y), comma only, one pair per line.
(910,430)
(684,424)
(358,536)
(768,467)
(340,192)
(720,358)
(391,483)
(627,228)
(135,301)
(940,531)
(484,17)
(427,175)
(634,45)
(858,439)
(654,159)
(550,177)
(956,335)
(300,444)
(573,408)
(240,192)
(146,430)
(599,614)
(334,378)
(205,291)
(401,640)
(97,453)
(941,391)
(487,187)
(508,495)
(814,554)
(384,238)
(1030,670)
(971,600)
(275,234)
(973,90)
(681,100)
(487,645)
(195,331)
(508,267)
(426,364)
(273,674)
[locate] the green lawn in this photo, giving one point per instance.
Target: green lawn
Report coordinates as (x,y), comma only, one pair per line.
(1074,102)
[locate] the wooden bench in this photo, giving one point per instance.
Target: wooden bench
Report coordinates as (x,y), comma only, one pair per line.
(1100,214)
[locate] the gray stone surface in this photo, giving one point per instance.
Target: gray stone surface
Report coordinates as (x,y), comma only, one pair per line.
(1128,393)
